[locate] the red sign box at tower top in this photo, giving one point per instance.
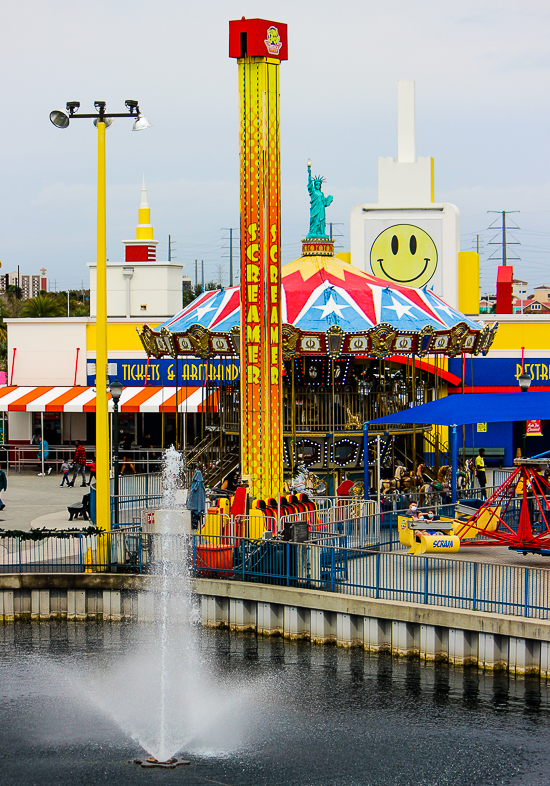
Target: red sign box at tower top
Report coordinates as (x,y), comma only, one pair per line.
(258,38)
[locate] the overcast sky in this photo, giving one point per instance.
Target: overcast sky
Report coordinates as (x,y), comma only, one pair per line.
(483,111)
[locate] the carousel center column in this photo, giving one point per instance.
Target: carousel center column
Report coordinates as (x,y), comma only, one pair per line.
(259,46)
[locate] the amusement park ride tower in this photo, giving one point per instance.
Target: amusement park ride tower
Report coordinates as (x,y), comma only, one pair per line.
(259,47)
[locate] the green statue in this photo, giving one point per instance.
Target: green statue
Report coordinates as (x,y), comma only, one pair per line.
(317,207)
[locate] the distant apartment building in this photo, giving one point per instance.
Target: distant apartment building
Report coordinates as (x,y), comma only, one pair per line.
(31,283)
(541,294)
(519,289)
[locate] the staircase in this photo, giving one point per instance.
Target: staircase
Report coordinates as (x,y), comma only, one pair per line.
(213,464)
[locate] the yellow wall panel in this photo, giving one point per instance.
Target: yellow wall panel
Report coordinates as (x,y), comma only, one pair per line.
(119,338)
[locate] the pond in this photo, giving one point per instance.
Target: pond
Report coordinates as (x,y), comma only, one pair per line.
(295,713)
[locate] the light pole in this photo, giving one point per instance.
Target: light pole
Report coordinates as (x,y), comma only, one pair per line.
(102,120)
(524,381)
(116,391)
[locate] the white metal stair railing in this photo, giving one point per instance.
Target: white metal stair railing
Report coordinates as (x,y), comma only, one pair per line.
(356,519)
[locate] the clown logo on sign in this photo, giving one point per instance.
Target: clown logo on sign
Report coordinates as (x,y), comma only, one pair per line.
(273,41)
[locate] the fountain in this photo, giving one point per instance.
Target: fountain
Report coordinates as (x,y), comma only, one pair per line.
(165,694)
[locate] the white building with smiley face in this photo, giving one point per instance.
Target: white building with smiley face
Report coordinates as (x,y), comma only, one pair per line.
(407,237)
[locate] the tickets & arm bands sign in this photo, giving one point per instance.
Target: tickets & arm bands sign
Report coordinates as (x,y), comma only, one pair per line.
(167,372)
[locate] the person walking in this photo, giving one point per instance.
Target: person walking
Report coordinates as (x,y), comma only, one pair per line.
(3,486)
(79,464)
(480,472)
(43,448)
(65,469)
(127,458)
(92,471)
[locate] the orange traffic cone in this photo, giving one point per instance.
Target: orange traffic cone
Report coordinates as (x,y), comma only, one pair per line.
(90,567)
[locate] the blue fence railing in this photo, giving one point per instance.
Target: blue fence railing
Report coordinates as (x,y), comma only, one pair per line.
(326,564)
(329,565)
(127,508)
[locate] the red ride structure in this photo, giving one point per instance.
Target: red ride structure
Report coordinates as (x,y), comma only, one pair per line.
(534,489)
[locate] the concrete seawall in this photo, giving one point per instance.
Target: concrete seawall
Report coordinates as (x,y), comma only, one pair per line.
(462,637)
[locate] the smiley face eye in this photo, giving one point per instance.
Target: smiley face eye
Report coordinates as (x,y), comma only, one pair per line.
(412,244)
(394,245)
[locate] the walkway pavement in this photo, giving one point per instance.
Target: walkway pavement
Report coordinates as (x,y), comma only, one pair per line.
(38,502)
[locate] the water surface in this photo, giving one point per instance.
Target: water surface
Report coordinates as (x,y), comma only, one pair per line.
(302,714)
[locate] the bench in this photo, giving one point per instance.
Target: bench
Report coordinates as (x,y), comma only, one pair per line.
(80,509)
(491,454)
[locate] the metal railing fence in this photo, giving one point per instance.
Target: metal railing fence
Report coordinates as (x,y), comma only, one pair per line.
(328,564)
(131,461)
(500,475)
(331,565)
(142,484)
(357,519)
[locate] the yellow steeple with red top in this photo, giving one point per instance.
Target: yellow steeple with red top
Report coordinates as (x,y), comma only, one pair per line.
(144,229)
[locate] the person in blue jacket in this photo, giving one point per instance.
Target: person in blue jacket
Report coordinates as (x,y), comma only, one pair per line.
(43,447)
(3,486)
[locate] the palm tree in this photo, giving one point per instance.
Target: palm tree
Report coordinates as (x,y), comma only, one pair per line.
(42,306)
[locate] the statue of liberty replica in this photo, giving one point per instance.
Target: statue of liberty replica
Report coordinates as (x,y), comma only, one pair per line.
(317,206)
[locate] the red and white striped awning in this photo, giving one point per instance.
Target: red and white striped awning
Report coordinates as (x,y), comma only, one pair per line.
(82,399)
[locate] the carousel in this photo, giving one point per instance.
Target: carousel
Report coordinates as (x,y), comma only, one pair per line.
(355,347)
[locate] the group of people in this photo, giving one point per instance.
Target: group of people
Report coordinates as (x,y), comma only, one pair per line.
(129,456)
(78,467)
(429,516)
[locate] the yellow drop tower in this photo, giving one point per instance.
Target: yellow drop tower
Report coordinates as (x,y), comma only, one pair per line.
(259,47)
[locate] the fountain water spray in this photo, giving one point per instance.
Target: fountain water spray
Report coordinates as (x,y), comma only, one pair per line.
(166,694)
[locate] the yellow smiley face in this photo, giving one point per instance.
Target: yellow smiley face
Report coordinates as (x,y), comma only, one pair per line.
(404,254)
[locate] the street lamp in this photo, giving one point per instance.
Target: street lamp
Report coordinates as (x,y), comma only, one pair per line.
(524,381)
(102,120)
(116,392)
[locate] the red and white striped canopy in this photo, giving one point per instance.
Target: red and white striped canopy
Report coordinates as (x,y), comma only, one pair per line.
(82,399)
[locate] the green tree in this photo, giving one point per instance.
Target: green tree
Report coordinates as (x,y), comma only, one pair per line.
(188,295)
(42,306)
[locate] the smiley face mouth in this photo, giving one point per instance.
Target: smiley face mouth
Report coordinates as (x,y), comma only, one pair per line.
(404,280)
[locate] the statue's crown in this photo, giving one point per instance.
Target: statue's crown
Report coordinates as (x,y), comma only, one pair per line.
(318,179)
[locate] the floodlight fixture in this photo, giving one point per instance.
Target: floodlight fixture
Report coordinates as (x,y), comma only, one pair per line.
(107,120)
(141,123)
(59,118)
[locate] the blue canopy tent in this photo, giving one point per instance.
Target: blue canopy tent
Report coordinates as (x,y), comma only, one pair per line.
(464,408)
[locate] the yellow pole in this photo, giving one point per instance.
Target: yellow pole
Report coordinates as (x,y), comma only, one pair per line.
(103,493)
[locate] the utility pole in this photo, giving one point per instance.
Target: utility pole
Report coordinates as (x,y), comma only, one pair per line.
(504,242)
(202,263)
(230,230)
(333,234)
(196,273)
(231,257)
(172,245)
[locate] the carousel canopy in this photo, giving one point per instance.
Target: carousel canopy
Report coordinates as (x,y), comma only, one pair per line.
(328,307)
